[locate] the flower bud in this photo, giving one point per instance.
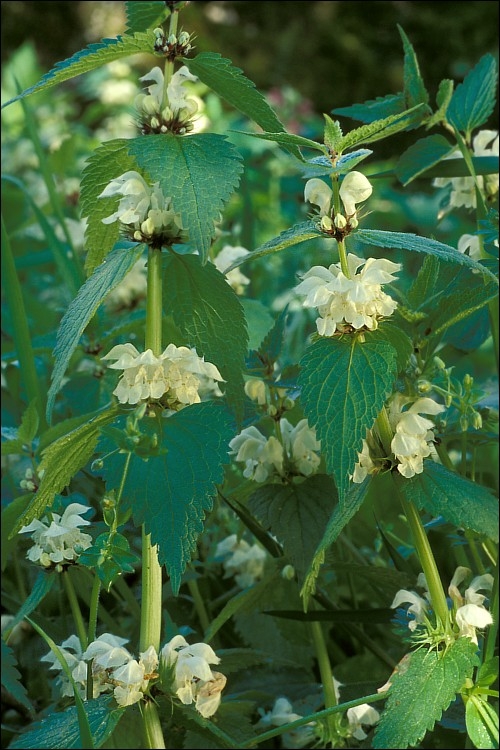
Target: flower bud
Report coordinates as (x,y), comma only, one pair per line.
(172,40)
(439,363)
(424,386)
(326,224)
(464,423)
(354,223)
(155,123)
(288,573)
(183,38)
(288,403)
(158,32)
(272,410)
(340,221)
(477,420)
(468,381)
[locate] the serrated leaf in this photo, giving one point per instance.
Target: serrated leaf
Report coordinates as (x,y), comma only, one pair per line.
(347,616)
(261,361)
(61,730)
(397,338)
(333,133)
(458,500)
(423,686)
(482,723)
(424,287)
(374,109)
(379,129)
(414,87)
(29,424)
(443,98)
(346,508)
(144,15)
(229,83)
(287,140)
(171,493)
(42,586)
(60,462)
(82,309)
(106,163)
(344,385)
(11,678)
(408,241)
(422,155)
(93,56)
(474,99)
(296,514)
(208,312)
(293,236)
(199,173)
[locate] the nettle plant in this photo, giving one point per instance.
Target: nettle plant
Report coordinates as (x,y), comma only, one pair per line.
(289,451)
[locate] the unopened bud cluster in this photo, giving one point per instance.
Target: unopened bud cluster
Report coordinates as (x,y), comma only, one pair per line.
(172,46)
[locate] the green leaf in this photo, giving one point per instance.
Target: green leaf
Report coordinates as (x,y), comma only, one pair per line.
(414,87)
(347,616)
(61,730)
(287,140)
(473,100)
(408,241)
(423,686)
(10,514)
(209,314)
(11,679)
(488,672)
(443,98)
(481,720)
(259,321)
(346,508)
(82,309)
(144,15)
(296,514)
(29,424)
(374,109)
(43,584)
(61,461)
(422,155)
(344,384)
(171,493)
(199,173)
(93,56)
(397,338)
(293,236)
(106,163)
(461,502)
(109,557)
(229,83)
(333,134)
(379,129)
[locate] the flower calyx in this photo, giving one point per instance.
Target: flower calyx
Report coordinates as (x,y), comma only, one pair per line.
(172,46)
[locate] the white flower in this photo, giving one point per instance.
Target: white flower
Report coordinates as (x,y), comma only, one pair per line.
(193,679)
(301,445)
(178,372)
(244,562)
(463,192)
(357,301)
(58,540)
(167,110)
(256,390)
(414,434)
(262,456)
(418,606)
(320,194)
(108,651)
(71,651)
(355,188)
(282,713)
(226,258)
(470,610)
(133,677)
(364,466)
(361,715)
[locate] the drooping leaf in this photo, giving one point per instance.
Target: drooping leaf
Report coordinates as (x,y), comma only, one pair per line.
(82,309)
(288,139)
(379,129)
(344,384)
(43,584)
(11,678)
(424,685)
(414,87)
(296,514)
(172,491)
(482,722)
(61,730)
(474,99)
(208,312)
(61,461)
(293,236)
(198,173)
(408,241)
(458,500)
(93,56)
(106,163)
(346,508)
(374,109)
(144,15)
(421,155)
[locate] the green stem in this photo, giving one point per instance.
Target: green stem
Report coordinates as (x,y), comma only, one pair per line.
(154,302)
(153,734)
(75,609)
(22,339)
(325,670)
(169,65)
(343,259)
(92,631)
(427,561)
(491,637)
(199,604)
(385,431)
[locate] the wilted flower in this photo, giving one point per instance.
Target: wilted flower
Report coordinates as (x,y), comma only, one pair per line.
(463,192)
(224,259)
(58,540)
(282,713)
(178,373)
(346,303)
(192,679)
(244,562)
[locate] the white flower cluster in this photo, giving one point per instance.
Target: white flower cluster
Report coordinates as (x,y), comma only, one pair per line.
(463,192)
(172,113)
(345,303)
(264,457)
(193,680)
(178,372)
(226,258)
(412,441)
(243,561)
(58,540)
(467,612)
(355,188)
(144,209)
(31,480)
